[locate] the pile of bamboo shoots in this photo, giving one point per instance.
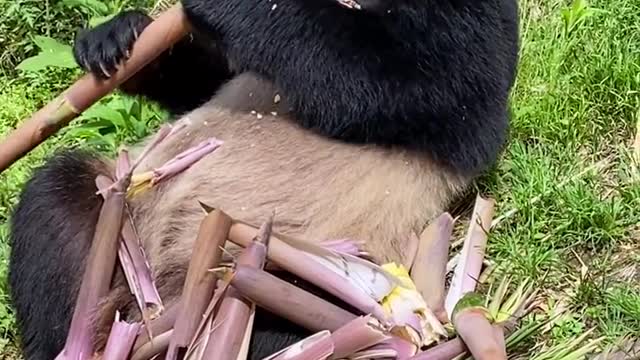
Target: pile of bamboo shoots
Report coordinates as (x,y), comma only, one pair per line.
(397,311)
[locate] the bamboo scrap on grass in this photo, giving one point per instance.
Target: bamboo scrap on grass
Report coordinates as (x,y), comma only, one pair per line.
(166,30)
(200,282)
(472,255)
(473,324)
(465,308)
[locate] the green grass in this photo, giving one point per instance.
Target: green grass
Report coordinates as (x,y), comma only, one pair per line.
(567,177)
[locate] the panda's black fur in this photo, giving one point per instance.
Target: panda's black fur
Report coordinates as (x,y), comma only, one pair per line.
(426,75)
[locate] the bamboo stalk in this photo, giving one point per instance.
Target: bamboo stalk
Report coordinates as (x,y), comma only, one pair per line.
(468,269)
(230,324)
(315,347)
(288,301)
(120,340)
(200,282)
(479,335)
(429,269)
(98,272)
(358,334)
(161,34)
(132,258)
(153,348)
(305,266)
(160,325)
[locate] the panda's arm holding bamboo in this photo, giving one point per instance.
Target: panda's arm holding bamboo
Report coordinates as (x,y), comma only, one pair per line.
(181,79)
(427,75)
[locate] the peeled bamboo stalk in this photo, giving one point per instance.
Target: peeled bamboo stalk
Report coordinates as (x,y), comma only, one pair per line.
(200,282)
(161,34)
(131,255)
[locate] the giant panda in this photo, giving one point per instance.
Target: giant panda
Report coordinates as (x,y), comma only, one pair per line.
(350,123)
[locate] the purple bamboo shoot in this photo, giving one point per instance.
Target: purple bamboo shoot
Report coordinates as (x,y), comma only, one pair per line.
(230,324)
(315,269)
(134,263)
(160,325)
(120,340)
(98,273)
(288,301)
(200,282)
(479,335)
(153,348)
(429,268)
(359,334)
(316,347)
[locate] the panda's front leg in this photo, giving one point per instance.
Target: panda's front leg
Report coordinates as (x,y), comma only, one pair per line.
(181,79)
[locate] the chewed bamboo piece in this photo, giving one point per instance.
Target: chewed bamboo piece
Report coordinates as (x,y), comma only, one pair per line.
(414,320)
(200,282)
(177,164)
(98,273)
(471,259)
(120,340)
(134,264)
(161,34)
(231,322)
(430,264)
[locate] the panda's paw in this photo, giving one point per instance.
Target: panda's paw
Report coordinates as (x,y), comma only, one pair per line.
(101,49)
